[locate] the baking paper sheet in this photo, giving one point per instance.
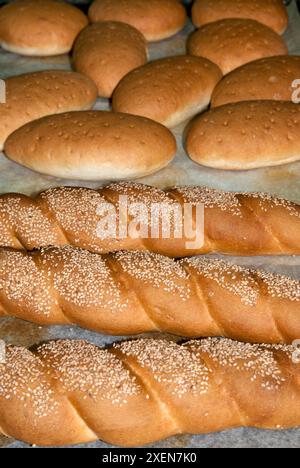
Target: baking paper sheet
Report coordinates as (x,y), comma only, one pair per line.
(283,181)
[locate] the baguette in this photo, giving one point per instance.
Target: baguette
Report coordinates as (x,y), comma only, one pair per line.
(237,224)
(135,292)
(137,392)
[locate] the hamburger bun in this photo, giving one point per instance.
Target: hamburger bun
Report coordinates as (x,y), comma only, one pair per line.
(95,145)
(155,19)
(35,95)
(272,13)
(40,27)
(246,135)
(107,51)
(269,78)
(231,43)
(169,90)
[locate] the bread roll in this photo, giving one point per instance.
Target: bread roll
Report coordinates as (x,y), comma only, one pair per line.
(231,43)
(40,27)
(269,78)
(170,90)
(34,95)
(155,19)
(107,51)
(272,13)
(246,135)
(136,392)
(94,145)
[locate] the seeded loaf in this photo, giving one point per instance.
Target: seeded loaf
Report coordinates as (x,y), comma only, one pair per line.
(107,51)
(137,392)
(233,42)
(155,19)
(35,95)
(40,27)
(269,78)
(136,292)
(246,135)
(169,90)
(238,224)
(94,145)
(272,13)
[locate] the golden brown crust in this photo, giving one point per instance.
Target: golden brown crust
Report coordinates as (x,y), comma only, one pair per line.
(268,78)
(272,13)
(107,51)
(40,27)
(112,146)
(155,19)
(136,292)
(246,135)
(237,224)
(35,95)
(169,90)
(231,43)
(137,392)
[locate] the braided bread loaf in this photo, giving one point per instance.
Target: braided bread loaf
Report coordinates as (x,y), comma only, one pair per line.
(69,392)
(133,292)
(249,224)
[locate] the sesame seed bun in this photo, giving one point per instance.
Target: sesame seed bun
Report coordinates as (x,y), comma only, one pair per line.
(95,145)
(272,13)
(40,27)
(231,43)
(169,91)
(34,95)
(107,51)
(246,135)
(269,78)
(155,19)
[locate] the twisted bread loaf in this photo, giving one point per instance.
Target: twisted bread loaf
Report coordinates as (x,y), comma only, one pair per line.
(249,224)
(136,392)
(134,292)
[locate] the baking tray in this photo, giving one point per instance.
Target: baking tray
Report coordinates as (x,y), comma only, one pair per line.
(282,181)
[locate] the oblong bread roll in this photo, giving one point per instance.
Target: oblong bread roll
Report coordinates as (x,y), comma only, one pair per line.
(246,135)
(40,27)
(155,19)
(95,145)
(269,78)
(231,43)
(170,90)
(34,95)
(272,13)
(107,51)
